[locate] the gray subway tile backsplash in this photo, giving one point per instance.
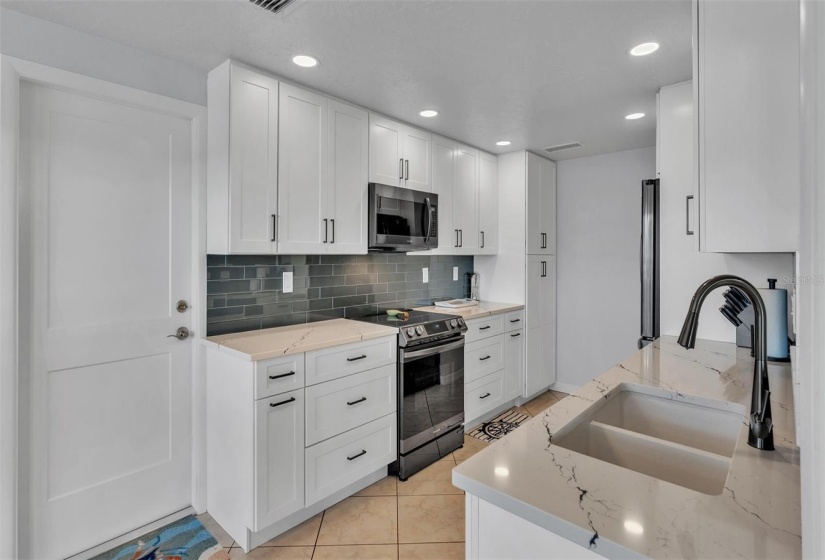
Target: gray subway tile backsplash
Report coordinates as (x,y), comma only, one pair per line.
(244,292)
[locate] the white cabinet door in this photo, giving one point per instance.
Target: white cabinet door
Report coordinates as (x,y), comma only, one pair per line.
(540,309)
(541,205)
(748,126)
(443,159)
(279,457)
(348,177)
(386,159)
(465,189)
(253,162)
(303,226)
(513,364)
(417,165)
(487,204)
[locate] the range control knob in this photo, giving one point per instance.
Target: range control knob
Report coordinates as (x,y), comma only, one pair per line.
(453,323)
(420,330)
(411,332)
(460,322)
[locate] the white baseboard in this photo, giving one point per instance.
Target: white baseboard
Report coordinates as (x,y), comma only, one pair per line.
(565,387)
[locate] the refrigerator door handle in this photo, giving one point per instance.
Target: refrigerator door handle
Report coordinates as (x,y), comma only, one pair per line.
(688,231)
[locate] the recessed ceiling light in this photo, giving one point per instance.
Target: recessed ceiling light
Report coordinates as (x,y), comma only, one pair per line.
(305,60)
(644,48)
(502,471)
(634,527)
(634,116)
(428,113)
(503,143)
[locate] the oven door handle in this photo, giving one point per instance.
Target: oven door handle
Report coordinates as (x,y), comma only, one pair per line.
(410,356)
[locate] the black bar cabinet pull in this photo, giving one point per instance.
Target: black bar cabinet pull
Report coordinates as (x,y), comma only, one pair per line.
(485,358)
(361,357)
(515,320)
(688,231)
(484,328)
(362,399)
(326,230)
(274,404)
(282,375)
(332,222)
(274,228)
(363,452)
(484,396)
(515,335)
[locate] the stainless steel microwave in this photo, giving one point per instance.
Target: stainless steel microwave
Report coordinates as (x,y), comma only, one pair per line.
(402,220)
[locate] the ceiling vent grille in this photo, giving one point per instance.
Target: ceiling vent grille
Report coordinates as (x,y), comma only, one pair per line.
(560,147)
(273,6)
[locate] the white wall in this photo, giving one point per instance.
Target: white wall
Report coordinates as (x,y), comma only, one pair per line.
(54,45)
(598,228)
(682,267)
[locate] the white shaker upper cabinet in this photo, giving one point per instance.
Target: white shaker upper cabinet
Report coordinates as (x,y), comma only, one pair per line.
(242,192)
(541,205)
(465,202)
(303,225)
(747,92)
(348,177)
(443,158)
(386,158)
(417,164)
(399,154)
(487,204)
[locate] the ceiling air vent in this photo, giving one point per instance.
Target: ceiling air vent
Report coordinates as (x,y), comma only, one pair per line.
(561,147)
(274,6)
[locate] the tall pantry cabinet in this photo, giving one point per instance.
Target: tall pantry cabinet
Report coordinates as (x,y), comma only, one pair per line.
(524,269)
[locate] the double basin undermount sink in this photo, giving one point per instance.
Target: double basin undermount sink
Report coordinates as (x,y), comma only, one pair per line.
(683,440)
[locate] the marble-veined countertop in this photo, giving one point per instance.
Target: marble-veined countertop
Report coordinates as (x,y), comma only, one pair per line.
(294,339)
(483,309)
(589,501)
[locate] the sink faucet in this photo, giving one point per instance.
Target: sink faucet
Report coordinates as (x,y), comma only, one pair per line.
(761,423)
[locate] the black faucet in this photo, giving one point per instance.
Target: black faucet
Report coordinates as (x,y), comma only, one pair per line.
(761,423)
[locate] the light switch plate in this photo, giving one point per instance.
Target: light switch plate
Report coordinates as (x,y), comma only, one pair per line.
(455,273)
(425,272)
(287,282)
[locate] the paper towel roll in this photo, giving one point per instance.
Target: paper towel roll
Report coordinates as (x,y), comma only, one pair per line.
(776,307)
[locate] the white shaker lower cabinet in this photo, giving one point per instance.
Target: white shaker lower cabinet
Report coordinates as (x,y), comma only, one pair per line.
(493,365)
(540,312)
(279,457)
(290,436)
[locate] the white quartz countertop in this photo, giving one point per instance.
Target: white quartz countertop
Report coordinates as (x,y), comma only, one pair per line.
(280,341)
(483,309)
(590,502)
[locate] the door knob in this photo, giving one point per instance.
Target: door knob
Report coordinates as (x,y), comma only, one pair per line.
(181,334)
(182,306)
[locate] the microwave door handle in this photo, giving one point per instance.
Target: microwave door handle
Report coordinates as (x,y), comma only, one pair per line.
(429,219)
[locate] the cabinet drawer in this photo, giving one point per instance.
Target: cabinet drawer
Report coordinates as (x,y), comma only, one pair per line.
(338,361)
(279,375)
(483,357)
(486,327)
(514,320)
(340,405)
(483,395)
(337,462)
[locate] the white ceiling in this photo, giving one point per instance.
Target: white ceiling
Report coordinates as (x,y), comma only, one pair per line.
(538,73)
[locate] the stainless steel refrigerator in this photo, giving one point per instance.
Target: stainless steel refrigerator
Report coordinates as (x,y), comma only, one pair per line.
(649,262)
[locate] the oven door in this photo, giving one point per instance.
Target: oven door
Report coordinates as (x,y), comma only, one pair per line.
(402,219)
(431,392)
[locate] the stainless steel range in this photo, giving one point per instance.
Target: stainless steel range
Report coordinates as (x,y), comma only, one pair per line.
(430,387)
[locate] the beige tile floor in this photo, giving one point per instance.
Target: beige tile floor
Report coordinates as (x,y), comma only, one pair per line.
(419,519)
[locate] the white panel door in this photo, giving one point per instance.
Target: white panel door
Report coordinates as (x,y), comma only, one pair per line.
(108,252)
(303,221)
(513,364)
(348,177)
(279,457)
(487,204)
(465,190)
(386,151)
(417,165)
(253,162)
(443,165)
(541,205)
(540,311)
